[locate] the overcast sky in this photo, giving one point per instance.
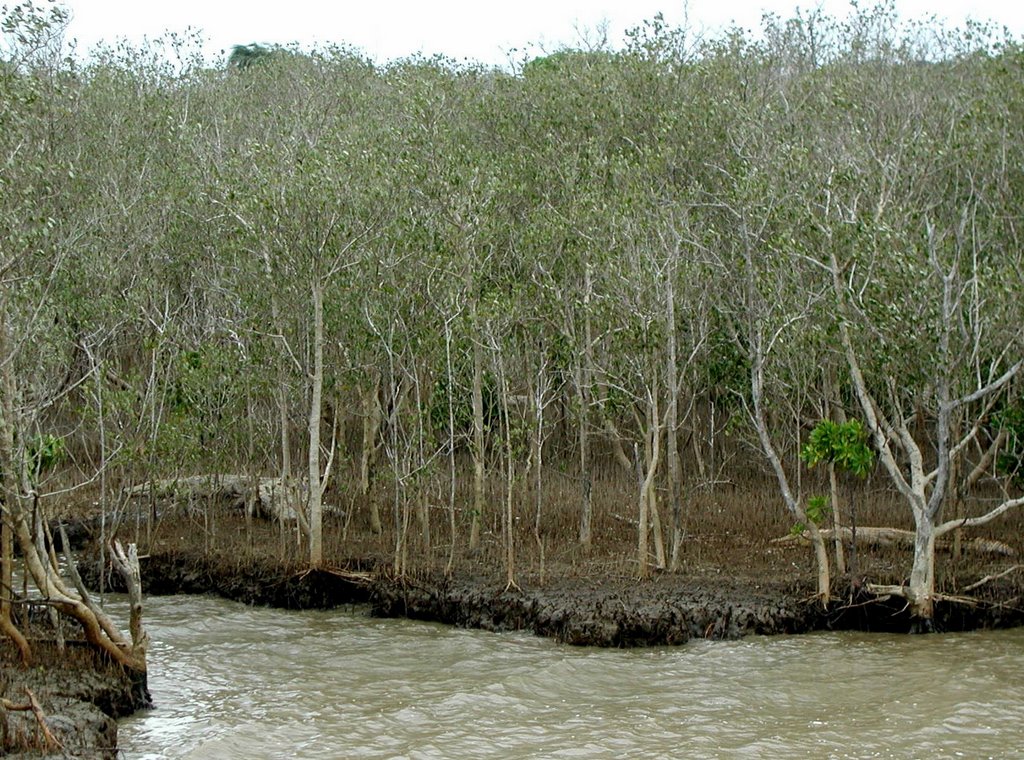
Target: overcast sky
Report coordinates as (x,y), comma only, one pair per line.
(462,29)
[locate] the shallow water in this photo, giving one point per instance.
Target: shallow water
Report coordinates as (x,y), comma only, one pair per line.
(232,681)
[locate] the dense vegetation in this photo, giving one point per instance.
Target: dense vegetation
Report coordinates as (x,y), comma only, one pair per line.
(434,293)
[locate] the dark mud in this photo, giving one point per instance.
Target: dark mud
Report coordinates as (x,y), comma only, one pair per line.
(604,611)
(255,582)
(614,613)
(81,695)
(666,611)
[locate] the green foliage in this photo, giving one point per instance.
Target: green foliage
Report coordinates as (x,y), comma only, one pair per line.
(245,56)
(1010,461)
(45,452)
(844,444)
(818,510)
(462,404)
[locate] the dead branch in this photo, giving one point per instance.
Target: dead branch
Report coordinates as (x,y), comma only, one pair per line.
(990,578)
(127,564)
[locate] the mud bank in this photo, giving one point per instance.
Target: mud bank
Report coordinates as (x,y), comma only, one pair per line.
(666,611)
(80,693)
(586,611)
(613,614)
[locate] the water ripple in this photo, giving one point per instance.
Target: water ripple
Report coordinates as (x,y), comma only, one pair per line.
(236,682)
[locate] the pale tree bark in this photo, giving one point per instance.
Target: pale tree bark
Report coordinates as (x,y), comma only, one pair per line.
(8,492)
(836,410)
(646,475)
(791,502)
(584,369)
(760,347)
(315,495)
(452,523)
(478,446)
(541,399)
(510,474)
(652,451)
(372,415)
(923,490)
(672,453)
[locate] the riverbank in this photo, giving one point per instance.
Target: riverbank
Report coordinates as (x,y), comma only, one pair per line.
(727,590)
(76,693)
(576,608)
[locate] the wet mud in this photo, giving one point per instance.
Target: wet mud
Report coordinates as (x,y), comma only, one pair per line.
(604,611)
(80,694)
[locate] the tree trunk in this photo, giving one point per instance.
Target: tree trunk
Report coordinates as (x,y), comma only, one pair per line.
(510,555)
(452,526)
(647,480)
(478,437)
(8,493)
(583,382)
(316,549)
(371,428)
(674,474)
(538,464)
(586,500)
(653,511)
(922,576)
(837,522)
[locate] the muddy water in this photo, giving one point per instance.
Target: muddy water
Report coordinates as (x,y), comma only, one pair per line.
(236,682)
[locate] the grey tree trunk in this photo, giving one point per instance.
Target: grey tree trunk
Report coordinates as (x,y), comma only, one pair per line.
(315,511)
(478,436)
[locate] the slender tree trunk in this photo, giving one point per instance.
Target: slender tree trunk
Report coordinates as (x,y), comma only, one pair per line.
(371,428)
(583,382)
(478,435)
(510,555)
(761,424)
(452,526)
(647,480)
(835,410)
(316,549)
(8,491)
(837,521)
(586,486)
(538,476)
(653,510)
(672,377)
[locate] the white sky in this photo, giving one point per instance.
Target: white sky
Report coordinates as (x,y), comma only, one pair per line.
(479,30)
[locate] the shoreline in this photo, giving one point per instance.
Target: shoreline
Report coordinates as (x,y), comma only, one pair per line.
(82,700)
(603,611)
(80,694)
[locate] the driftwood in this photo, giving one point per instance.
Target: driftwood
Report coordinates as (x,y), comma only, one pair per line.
(898,537)
(266,496)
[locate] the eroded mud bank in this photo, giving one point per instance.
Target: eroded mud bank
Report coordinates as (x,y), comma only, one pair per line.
(599,611)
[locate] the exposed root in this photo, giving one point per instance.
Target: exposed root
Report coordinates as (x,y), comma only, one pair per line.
(50,741)
(904,593)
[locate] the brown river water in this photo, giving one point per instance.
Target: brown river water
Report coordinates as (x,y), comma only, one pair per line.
(231,681)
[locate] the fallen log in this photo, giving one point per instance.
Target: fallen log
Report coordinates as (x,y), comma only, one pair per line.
(267,498)
(898,537)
